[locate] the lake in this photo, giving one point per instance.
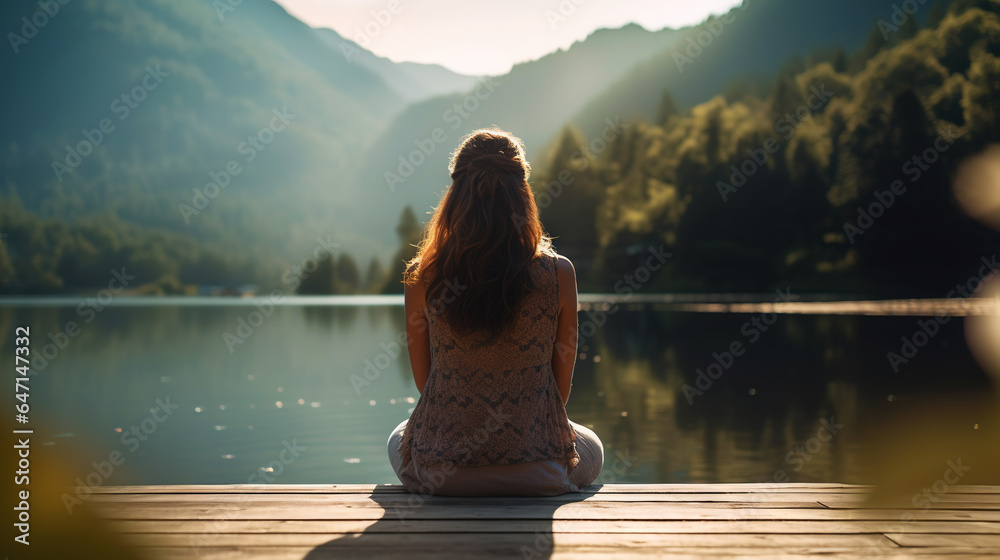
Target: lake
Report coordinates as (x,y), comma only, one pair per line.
(679,389)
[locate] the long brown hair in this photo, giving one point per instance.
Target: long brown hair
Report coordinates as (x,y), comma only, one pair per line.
(483,236)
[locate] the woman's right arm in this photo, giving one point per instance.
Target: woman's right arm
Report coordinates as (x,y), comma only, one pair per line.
(564,351)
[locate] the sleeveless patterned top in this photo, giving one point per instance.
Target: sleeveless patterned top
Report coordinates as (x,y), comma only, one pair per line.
(493,403)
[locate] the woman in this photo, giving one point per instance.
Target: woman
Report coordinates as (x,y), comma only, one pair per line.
(491,331)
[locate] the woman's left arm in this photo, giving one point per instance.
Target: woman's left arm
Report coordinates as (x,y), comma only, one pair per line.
(418,342)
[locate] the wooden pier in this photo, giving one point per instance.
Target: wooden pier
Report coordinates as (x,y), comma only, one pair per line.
(611,521)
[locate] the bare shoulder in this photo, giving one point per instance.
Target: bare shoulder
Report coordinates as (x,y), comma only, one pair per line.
(565,266)
(414,293)
(567,274)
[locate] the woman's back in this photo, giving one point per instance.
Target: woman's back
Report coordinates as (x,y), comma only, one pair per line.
(494,402)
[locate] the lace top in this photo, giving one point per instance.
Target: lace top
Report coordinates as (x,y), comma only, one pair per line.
(493,403)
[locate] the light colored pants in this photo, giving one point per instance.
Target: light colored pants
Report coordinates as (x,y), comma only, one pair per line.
(539,478)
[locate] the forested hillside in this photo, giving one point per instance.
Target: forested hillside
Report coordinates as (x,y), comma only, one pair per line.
(835,181)
(740,49)
(136,110)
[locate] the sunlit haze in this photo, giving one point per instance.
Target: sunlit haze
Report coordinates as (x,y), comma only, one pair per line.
(489,37)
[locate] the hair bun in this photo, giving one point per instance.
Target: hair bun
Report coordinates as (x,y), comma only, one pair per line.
(499,162)
(492,162)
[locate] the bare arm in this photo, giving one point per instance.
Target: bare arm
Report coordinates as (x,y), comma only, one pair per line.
(564,352)
(418,342)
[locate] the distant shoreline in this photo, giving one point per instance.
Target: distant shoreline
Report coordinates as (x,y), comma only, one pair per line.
(808,304)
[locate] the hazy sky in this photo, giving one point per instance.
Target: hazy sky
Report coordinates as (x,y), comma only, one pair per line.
(488,37)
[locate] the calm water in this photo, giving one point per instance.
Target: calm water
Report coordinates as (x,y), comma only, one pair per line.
(298,383)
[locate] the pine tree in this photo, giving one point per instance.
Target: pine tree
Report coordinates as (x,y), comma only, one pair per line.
(569,193)
(874,45)
(321,281)
(787,96)
(409,231)
(348,277)
(375,277)
(982,109)
(908,30)
(937,14)
(667,108)
(840,61)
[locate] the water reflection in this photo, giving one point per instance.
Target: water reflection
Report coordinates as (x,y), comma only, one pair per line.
(309,394)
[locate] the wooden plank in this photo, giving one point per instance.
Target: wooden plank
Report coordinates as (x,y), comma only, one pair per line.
(974,489)
(532,540)
(781,553)
(596,510)
(559,526)
(906,502)
(917,539)
(964,502)
(251,489)
(958,504)
(409,499)
(467,504)
(387,488)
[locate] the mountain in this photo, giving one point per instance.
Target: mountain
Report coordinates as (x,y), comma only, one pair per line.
(207,142)
(410,80)
(182,89)
(756,38)
(533,100)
